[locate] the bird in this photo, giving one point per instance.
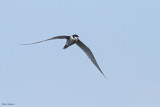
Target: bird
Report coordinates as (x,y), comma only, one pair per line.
(70,40)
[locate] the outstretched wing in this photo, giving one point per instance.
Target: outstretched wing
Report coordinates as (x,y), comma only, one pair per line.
(89,54)
(57,37)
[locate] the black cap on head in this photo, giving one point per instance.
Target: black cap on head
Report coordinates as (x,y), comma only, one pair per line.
(75,35)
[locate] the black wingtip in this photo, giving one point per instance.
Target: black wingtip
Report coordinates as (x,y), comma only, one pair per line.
(104,75)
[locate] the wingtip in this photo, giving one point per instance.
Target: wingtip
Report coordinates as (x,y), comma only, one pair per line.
(24,44)
(104,76)
(103,73)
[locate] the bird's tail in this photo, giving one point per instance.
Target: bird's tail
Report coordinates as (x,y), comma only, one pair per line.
(65,47)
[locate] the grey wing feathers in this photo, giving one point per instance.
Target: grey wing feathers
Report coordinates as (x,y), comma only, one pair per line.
(89,54)
(57,37)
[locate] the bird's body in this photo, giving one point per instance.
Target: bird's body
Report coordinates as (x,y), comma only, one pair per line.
(70,40)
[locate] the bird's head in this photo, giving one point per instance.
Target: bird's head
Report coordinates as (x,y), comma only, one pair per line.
(75,37)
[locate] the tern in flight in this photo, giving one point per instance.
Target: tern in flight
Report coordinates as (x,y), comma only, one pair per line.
(70,40)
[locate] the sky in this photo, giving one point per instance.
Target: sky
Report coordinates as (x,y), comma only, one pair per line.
(122,34)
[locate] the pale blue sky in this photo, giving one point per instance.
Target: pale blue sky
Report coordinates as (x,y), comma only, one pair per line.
(123,35)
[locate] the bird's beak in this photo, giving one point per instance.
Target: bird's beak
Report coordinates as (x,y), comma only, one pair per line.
(76,40)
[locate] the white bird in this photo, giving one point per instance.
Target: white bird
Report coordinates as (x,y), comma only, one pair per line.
(72,40)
